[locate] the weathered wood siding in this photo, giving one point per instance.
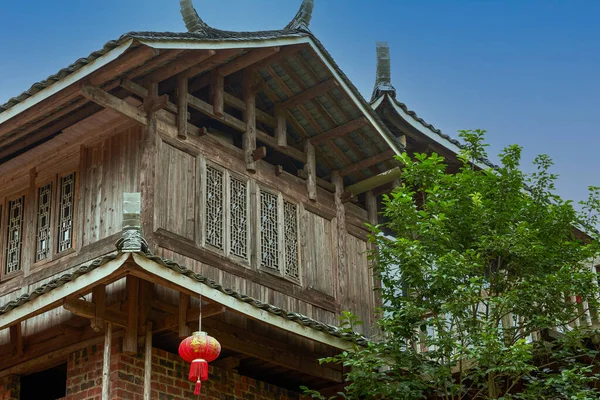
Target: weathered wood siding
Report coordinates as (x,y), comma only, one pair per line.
(176,192)
(110,168)
(318,254)
(357,295)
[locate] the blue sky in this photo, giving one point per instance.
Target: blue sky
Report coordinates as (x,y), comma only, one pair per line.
(525,70)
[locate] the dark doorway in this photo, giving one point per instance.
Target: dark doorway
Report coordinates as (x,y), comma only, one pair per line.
(50,384)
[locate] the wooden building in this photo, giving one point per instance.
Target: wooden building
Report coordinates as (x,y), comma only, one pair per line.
(257,163)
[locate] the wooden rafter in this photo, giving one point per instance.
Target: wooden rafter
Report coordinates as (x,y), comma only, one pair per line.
(156,62)
(213,62)
(367,163)
(123,64)
(310,94)
(186,61)
(246,60)
(340,131)
(307,67)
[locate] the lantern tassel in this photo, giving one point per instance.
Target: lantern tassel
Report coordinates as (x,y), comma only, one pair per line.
(198,387)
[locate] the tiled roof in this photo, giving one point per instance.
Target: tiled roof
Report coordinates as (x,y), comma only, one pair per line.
(172,265)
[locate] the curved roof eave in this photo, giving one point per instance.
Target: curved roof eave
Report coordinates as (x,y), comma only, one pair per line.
(425,128)
(112,50)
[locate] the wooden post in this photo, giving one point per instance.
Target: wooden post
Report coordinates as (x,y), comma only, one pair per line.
(182,107)
(184,305)
(311,169)
(148,173)
(218,91)
(340,214)
(106,362)
(281,128)
(131,332)
(99,300)
(373,215)
(249,139)
(148,362)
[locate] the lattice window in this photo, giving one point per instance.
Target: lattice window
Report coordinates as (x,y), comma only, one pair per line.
(66,211)
(269,235)
(238,223)
(290,226)
(43,222)
(214,207)
(15,235)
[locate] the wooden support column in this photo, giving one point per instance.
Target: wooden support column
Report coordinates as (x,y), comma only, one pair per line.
(148,362)
(99,300)
(373,215)
(106,362)
(16,339)
(340,216)
(131,332)
(148,172)
(184,305)
(281,128)
(249,139)
(182,107)
(218,93)
(310,168)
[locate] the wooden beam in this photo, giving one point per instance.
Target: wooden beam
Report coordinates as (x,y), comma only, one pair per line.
(366,163)
(249,138)
(322,183)
(148,362)
(107,100)
(285,51)
(130,341)
(106,362)
(16,339)
(142,92)
(173,321)
(86,309)
(340,131)
(218,90)
(311,170)
(184,307)
(372,182)
(261,116)
(99,300)
(246,60)
(239,125)
(184,62)
(309,94)
(182,107)
(271,351)
(281,125)
(156,103)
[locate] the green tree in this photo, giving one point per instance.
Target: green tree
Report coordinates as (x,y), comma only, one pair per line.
(487,286)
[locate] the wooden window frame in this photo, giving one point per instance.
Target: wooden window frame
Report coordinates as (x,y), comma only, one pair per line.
(226,220)
(4,276)
(38,185)
(54,180)
(56,254)
(281,199)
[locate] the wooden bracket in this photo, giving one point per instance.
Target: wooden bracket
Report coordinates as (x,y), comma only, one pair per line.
(259,153)
(16,338)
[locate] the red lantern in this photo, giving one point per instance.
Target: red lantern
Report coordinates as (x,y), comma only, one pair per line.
(199,349)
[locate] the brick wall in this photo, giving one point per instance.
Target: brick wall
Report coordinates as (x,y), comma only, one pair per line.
(169,380)
(10,387)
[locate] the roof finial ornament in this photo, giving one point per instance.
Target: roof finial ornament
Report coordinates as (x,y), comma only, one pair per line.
(192,20)
(383,83)
(303,17)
